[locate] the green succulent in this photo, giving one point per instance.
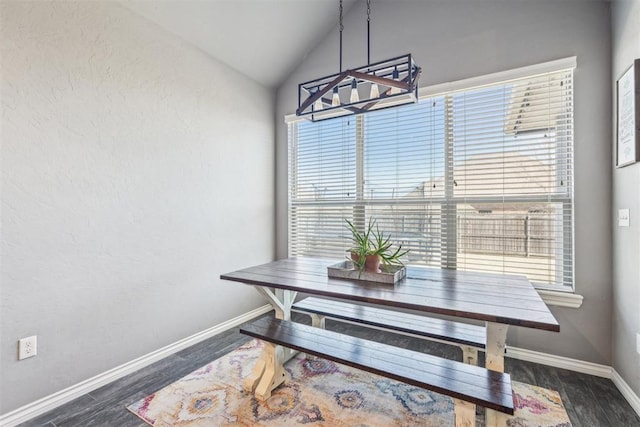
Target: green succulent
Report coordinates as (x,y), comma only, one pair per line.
(373,242)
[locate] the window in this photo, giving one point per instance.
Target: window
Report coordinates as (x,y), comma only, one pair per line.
(477,178)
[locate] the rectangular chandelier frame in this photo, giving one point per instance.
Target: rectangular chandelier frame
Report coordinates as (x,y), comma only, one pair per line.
(397,85)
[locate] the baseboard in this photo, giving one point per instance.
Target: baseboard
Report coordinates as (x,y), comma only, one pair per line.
(54,400)
(61,397)
(578,366)
(627,392)
(575,365)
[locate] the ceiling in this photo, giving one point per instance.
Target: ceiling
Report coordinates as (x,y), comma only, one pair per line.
(263,39)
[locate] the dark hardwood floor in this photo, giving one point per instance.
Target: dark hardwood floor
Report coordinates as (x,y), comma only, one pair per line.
(590,401)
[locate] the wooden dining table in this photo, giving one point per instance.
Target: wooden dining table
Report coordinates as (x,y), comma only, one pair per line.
(497,300)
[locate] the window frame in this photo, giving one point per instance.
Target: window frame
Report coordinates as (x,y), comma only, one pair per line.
(449,201)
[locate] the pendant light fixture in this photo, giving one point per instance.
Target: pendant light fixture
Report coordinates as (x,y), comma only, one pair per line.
(390,83)
(335,100)
(354,92)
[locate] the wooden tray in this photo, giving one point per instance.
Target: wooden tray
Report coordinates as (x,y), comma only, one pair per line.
(347,270)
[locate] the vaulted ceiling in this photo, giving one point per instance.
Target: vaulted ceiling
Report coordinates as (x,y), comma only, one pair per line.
(263,39)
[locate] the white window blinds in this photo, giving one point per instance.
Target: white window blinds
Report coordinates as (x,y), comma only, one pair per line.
(322,185)
(479,179)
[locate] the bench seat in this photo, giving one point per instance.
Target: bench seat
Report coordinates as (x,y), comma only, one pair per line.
(461,381)
(461,334)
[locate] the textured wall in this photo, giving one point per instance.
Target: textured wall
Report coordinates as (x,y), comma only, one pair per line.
(626,194)
(457,39)
(135,170)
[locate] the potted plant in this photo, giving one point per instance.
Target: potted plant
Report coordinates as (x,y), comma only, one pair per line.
(372,248)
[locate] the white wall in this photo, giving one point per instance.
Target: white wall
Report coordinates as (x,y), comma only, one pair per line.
(457,39)
(135,170)
(626,194)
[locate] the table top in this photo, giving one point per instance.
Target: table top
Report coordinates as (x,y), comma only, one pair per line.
(498,298)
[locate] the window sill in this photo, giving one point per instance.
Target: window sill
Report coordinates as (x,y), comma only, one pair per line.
(561,299)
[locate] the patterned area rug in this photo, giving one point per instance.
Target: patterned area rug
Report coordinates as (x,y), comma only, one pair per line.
(320,393)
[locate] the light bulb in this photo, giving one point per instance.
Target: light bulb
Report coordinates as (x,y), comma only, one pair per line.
(354,92)
(396,77)
(375,91)
(317,106)
(335,101)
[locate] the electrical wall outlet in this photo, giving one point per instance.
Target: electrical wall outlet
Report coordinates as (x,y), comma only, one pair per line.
(623,217)
(27,347)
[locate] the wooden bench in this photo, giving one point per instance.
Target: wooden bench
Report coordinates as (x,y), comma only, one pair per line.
(470,338)
(467,384)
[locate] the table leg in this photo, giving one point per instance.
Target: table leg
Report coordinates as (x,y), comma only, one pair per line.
(496,344)
(280,299)
(268,372)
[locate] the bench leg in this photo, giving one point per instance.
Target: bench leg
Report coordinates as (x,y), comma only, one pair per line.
(495,418)
(496,338)
(465,413)
(251,382)
(470,355)
(317,321)
(267,374)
